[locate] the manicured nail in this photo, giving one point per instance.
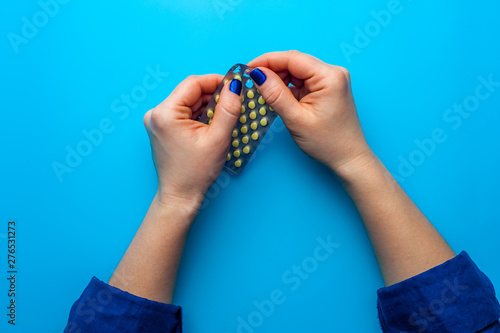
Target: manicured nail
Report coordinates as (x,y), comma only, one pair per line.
(235,86)
(258,76)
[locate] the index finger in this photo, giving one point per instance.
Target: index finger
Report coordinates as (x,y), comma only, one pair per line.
(189,91)
(180,102)
(300,65)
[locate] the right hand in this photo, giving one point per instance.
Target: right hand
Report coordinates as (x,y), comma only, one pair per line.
(318,110)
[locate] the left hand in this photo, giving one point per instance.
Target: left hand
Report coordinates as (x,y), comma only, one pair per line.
(189,155)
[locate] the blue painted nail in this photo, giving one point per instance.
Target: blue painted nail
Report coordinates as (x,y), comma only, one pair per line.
(258,76)
(235,86)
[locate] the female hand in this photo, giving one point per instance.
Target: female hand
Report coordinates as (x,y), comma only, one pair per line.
(319,112)
(188,154)
(318,109)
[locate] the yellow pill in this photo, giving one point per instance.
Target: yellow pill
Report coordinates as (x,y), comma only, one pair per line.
(216,98)
(235,133)
(271,109)
(246,150)
(262,111)
(251,104)
(243,119)
(244,140)
(236,153)
(250,94)
(253,115)
(261,100)
(226,81)
(255,135)
(210,121)
(237,77)
(243,109)
(229,156)
(263,121)
(237,163)
(254,125)
(236,143)
(242,98)
(210,113)
(244,129)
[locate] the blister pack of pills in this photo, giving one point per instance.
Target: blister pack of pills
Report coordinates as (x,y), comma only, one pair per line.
(255,119)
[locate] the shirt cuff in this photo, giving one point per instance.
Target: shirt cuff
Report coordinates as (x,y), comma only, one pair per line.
(452,297)
(103,308)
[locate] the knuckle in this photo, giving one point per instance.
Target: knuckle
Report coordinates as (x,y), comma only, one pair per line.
(146,119)
(338,79)
(346,73)
(158,119)
(225,105)
(228,107)
(294,53)
(274,93)
(191,78)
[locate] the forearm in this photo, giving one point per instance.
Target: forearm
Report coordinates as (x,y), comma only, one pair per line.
(404,241)
(187,154)
(149,267)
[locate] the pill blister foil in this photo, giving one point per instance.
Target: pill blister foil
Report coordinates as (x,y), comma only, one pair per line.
(255,119)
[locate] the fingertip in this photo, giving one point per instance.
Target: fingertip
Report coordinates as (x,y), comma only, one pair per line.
(258,76)
(227,110)
(230,99)
(275,92)
(235,86)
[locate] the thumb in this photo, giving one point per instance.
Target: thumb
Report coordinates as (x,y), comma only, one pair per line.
(275,93)
(227,111)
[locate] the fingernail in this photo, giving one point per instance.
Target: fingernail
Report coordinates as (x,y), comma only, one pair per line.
(235,86)
(258,76)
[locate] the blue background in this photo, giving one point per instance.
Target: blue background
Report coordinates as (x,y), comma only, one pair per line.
(66,77)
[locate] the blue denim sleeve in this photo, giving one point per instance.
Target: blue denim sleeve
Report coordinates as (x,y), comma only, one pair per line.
(452,297)
(103,308)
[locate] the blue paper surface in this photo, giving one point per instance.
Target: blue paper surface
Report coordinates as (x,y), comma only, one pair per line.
(76,172)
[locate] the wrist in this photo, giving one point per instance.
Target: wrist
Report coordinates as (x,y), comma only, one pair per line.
(366,177)
(357,167)
(185,204)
